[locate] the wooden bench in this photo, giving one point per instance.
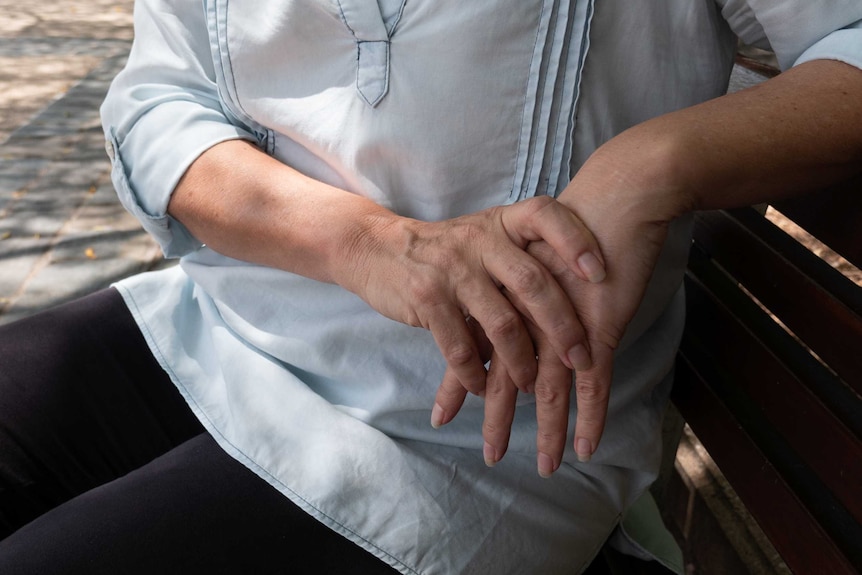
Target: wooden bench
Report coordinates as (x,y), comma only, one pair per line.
(769,378)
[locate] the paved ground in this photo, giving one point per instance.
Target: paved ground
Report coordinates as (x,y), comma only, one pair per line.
(62,231)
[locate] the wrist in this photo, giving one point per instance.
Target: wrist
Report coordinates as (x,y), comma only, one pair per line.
(650,169)
(634,177)
(369,237)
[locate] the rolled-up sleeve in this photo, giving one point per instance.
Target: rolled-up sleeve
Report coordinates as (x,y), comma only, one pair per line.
(799,30)
(844,45)
(161,112)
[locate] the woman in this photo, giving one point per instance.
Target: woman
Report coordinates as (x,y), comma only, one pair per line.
(359,193)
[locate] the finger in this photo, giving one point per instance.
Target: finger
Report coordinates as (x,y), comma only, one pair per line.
(451,394)
(543,218)
(458,347)
(505,331)
(448,401)
(485,347)
(553,393)
(559,323)
(536,294)
(500,397)
(593,390)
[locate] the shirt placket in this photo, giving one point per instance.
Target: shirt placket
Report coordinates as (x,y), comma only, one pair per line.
(552,91)
(365,22)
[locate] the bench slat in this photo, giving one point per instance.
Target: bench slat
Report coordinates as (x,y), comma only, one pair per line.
(822,441)
(769,374)
(799,539)
(768,262)
(825,216)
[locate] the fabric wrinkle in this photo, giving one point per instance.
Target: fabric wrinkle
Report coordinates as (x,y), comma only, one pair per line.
(281,368)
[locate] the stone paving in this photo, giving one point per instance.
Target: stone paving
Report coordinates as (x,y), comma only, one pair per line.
(63,233)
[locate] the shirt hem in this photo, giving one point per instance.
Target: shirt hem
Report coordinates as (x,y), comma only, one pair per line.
(242,458)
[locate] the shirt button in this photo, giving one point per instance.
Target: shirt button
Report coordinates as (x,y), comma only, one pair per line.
(109,148)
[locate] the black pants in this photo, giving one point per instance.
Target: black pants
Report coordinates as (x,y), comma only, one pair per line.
(104,469)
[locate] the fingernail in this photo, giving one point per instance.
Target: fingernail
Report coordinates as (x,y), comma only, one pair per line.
(584,449)
(579,357)
(437,416)
(546,465)
(592,267)
(490,455)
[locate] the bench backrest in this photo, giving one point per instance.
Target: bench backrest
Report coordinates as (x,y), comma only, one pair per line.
(779,409)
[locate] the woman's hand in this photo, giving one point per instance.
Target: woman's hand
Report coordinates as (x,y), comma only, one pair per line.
(436,275)
(630,234)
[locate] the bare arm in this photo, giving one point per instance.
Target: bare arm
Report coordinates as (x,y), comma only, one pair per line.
(793,133)
(247,205)
(796,132)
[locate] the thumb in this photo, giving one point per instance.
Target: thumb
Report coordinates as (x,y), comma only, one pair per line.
(592,388)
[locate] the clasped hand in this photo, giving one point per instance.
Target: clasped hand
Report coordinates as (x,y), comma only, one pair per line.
(436,274)
(523,286)
(630,240)
(479,284)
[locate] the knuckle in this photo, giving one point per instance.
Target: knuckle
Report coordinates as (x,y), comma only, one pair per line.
(469,232)
(539,203)
(551,396)
(590,392)
(491,428)
(459,354)
(494,390)
(545,254)
(546,437)
(524,376)
(422,291)
(527,279)
(563,327)
(450,393)
(505,326)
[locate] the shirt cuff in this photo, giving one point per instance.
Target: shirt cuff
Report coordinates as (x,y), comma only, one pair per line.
(145,187)
(844,45)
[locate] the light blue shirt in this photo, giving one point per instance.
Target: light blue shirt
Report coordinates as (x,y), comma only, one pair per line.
(432,108)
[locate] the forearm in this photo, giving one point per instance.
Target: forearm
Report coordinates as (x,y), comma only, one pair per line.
(247,205)
(796,132)
(244,204)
